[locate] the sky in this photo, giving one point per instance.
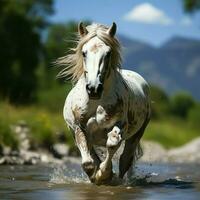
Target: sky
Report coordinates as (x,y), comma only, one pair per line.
(153,21)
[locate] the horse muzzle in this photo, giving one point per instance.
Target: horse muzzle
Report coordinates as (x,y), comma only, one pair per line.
(94,92)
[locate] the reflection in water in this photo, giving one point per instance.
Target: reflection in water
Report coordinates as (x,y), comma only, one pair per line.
(51,183)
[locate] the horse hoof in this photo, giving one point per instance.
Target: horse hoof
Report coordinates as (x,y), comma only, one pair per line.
(103,178)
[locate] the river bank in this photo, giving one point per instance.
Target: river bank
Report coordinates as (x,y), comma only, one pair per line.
(152,152)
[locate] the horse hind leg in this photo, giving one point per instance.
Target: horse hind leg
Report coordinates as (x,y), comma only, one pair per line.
(132,151)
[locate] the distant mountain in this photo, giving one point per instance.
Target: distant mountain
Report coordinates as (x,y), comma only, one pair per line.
(175,66)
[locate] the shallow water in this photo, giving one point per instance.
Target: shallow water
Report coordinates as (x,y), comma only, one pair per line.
(157,181)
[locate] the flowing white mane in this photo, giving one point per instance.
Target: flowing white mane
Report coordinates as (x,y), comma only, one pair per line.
(73,62)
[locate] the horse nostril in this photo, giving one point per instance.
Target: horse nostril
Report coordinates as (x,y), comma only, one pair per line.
(87,86)
(100,88)
(90,88)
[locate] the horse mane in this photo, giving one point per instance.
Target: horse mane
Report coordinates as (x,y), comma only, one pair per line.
(73,62)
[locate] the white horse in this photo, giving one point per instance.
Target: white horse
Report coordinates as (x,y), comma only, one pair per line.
(107,104)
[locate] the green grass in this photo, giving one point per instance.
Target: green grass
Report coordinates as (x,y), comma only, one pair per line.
(45,123)
(53,99)
(7,137)
(170,132)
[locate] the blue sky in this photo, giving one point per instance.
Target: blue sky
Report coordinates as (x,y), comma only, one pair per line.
(153,21)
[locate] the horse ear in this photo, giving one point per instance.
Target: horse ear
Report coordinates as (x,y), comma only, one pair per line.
(112,30)
(82,30)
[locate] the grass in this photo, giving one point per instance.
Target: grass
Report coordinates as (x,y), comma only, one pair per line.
(170,132)
(45,124)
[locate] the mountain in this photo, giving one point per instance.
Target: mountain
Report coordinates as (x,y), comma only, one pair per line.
(174,66)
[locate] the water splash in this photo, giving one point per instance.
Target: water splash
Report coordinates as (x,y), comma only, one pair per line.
(65,175)
(141,178)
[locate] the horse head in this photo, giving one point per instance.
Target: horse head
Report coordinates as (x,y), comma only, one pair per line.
(96,54)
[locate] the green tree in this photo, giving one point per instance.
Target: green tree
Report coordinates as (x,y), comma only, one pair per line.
(180,104)
(191,5)
(160,102)
(21,23)
(194,116)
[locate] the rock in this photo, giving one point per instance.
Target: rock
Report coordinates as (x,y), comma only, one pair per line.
(11,160)
(44,158)
(2,160)
(6,150)
(153,152)
(60,150)
(22,130)
(187,153)
(30,157)
(15,153)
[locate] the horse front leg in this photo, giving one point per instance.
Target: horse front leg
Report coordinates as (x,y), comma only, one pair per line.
(104,173)
(90,161)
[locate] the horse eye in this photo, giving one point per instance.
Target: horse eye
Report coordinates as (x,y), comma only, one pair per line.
(84,54)
(85,73)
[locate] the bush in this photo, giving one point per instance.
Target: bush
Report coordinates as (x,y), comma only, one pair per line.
(160,102)
(180,104)
(45,127)
(194,116)
(7,137)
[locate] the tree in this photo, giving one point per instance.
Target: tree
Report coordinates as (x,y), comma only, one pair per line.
(180,104)
(191,5)
(21,23)
(194,116)
(160,102)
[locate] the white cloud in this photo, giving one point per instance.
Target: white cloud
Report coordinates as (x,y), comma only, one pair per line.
(149,14)
(186,21)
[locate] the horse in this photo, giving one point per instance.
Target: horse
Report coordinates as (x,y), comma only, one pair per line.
(106,105)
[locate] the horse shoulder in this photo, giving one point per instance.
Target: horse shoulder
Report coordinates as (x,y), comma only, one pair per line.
(75,105)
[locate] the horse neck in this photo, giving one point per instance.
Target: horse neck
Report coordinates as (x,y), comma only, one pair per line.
(111,82)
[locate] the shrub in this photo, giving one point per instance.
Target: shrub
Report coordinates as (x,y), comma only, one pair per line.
(180,104)
(7,137)
(160,102)
(194,117)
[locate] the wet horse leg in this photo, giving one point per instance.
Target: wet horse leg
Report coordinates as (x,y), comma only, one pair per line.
(132,151)
(90,161)
(104,173)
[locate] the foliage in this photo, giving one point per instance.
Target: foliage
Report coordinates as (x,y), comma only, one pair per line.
(180,104)
(170,132)
(191,5)
(160,102)
(7,137)
(45,126)
(194,117)
(53,98)
(21,48)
